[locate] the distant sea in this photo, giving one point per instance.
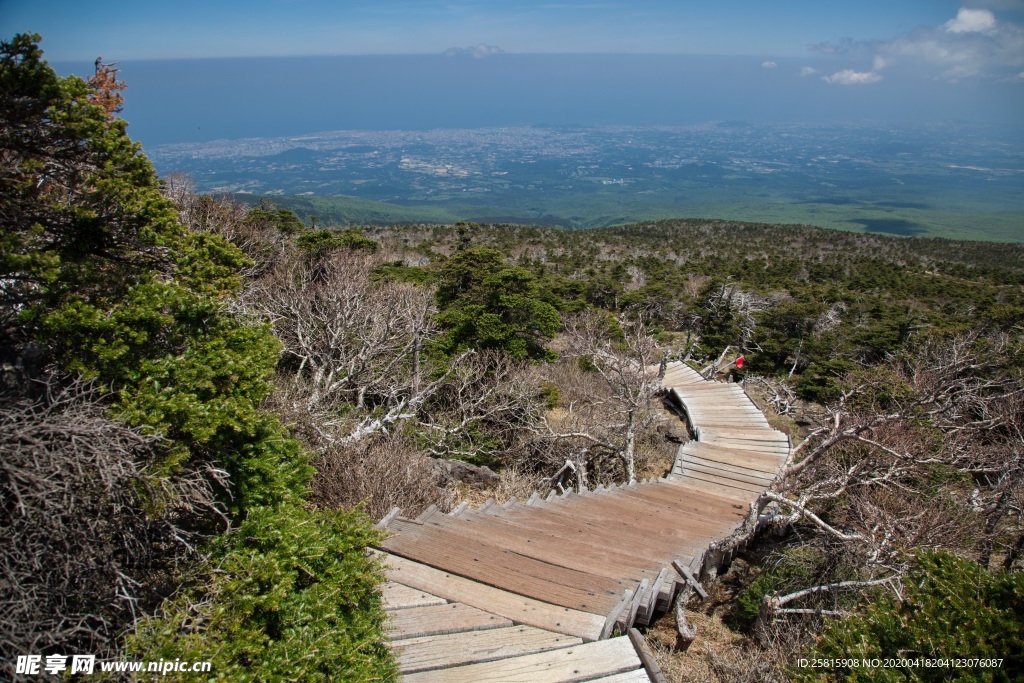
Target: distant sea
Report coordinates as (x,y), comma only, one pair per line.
(174,101)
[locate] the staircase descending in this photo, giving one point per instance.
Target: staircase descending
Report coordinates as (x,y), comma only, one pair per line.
(537,590)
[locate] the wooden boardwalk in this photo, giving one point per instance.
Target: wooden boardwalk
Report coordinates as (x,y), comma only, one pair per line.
(538,591)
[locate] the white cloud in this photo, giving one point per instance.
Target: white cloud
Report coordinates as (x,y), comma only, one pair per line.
(475,51)
(973,44)
(807,71)
(971,21)
(769,65)
(851,77)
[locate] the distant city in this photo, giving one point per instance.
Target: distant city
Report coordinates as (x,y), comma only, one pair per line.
(877,177)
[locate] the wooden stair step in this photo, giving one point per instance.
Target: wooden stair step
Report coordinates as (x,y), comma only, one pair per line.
(721,479)
(455,649)
(599,556)
(620,551)
(398,596)
(713,467)
(518,608)
(739,497)
(578,663)
(635,676)
(759,462)
(611,523)
(452,617)
(513,573)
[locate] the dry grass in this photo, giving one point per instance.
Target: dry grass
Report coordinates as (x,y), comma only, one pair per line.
(378,475)
(720,654)
(512,483)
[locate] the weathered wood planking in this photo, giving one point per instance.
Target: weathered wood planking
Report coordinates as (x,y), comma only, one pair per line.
(397,596)
(520,575)
(766,463)
(436,619)
(595,558)
(522,610)
(444,651)
(579,663)
(636,676)
(560,566)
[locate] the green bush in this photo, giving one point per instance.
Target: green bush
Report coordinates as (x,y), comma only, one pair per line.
(103,281)
(797,568)
(291,595)
(951,608)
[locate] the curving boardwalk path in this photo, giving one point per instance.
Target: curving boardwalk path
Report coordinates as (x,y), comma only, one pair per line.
(538,591)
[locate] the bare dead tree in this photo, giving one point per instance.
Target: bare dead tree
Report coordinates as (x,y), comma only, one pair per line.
(487,402)
(609,421)
(91,534)
(778,394)
(350,342)
(865,476)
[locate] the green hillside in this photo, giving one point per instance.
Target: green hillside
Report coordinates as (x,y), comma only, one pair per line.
(605,209)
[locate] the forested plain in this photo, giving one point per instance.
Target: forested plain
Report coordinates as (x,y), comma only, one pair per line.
(206,405)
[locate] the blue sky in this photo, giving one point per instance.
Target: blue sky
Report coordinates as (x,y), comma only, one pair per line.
(147,29)
(799,60)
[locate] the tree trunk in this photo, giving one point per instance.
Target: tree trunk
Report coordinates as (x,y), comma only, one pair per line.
(629,449)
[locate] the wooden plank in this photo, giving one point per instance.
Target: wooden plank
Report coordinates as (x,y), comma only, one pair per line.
(718,465)
(596,557)
(738,496)
(699,511)
(556,543)
(522,610)
(663,602)
(456,649)
(388,518)
(759,482)
(721,483)
(566,665)
(616,522)
(661,493)
(650,664)
(588,531)
(763,449)
(452,617)
(769,443)
(397,596)
(685,572)
(618,517)
(615,614)
(481,560)
(767,464)
(635,606)
(639,506)
(635,676)
(741,445)
(738,411)
(427,514)
(731,406)
(650,605)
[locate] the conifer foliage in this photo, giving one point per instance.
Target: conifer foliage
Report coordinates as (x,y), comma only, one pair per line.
(101,283)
